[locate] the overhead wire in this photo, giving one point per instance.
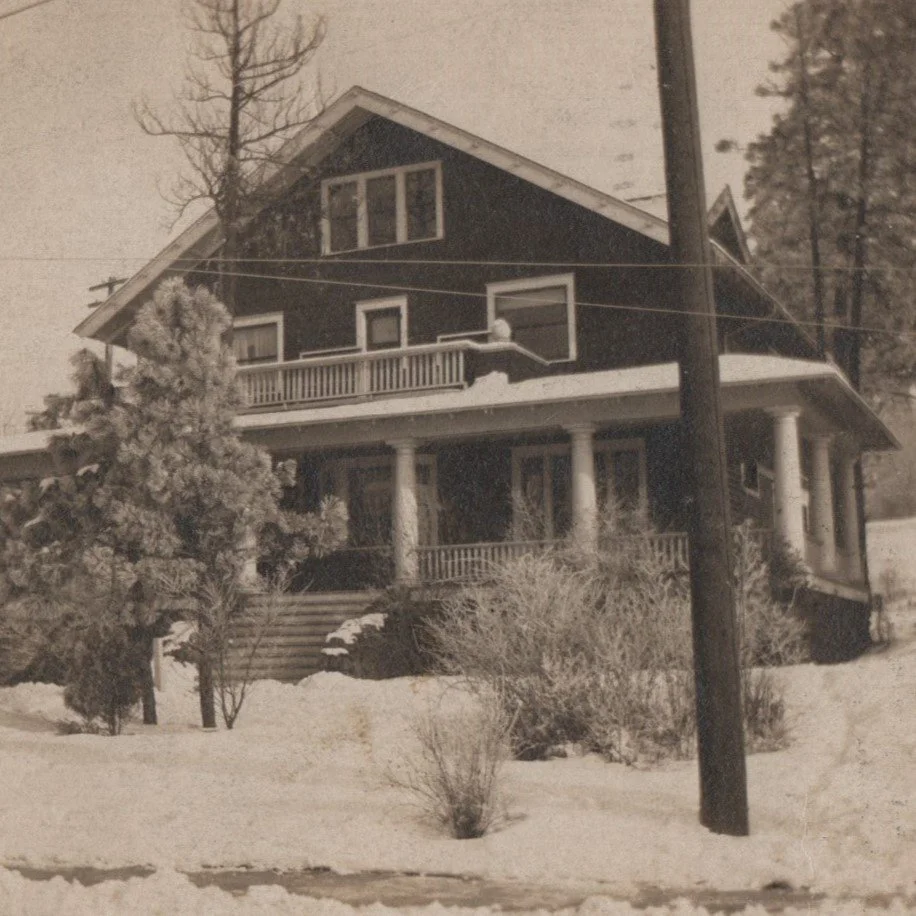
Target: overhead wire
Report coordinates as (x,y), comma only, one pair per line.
(658,310)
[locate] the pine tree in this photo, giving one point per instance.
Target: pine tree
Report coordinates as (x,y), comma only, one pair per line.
(833,198)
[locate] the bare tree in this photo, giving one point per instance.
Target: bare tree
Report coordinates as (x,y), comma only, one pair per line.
(242,98)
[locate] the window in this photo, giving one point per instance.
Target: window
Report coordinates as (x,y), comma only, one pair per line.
(258,339)
(542,484)
(382,208)
(540,312)
(750,477)
(381,324)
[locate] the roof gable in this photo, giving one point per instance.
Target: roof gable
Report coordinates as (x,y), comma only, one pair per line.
(334,125)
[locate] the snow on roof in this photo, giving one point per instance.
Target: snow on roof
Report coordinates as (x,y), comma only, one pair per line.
(26,443)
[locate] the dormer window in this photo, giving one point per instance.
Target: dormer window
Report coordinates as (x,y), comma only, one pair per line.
(258,338)
(389,207)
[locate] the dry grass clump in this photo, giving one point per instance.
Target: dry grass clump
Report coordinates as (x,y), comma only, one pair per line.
(455,776)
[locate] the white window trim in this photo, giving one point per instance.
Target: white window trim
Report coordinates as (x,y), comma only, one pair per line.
(362,208)
(519,453)
(375,305)
(264,318)
(533,283)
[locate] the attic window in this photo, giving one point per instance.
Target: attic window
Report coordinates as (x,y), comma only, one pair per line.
(389,207)
(541,313)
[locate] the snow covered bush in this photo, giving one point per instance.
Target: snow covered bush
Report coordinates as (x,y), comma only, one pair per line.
(593,647)
(391,640)
(455,775)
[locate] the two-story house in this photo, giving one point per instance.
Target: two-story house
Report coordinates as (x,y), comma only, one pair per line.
(475,352)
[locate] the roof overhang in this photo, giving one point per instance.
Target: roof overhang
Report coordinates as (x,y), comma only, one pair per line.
(633,395)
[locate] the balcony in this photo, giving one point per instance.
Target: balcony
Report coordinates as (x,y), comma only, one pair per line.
(353,375)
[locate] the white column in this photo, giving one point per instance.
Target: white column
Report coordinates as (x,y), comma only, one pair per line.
(821,508)
(584,493)
(850,510)
(405,528)
(249,577)
(790,523)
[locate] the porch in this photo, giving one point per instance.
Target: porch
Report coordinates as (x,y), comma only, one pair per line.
(433,480)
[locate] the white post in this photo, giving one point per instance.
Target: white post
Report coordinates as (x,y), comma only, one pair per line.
(822,519)
(405,529)
(249,577)
(584,493)
(790,522)
(850,510)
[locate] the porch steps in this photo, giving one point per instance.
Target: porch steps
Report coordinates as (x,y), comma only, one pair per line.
(291,642)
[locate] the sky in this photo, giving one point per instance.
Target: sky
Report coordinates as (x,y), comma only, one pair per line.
(568,83)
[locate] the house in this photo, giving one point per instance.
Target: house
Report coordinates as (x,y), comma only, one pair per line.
(440,331)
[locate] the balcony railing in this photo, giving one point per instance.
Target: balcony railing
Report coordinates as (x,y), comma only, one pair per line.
(463,562)
(347,376)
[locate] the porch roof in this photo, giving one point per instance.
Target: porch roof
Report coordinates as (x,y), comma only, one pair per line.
(747,380)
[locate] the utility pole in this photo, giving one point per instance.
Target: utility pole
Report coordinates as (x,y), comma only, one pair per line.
(720,735)
(110,285)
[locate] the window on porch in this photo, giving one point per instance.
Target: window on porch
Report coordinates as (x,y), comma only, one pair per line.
(258,338)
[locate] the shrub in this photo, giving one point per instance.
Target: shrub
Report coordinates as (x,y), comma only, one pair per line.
(106,671)
(594,646)
(455,777)
(400,647)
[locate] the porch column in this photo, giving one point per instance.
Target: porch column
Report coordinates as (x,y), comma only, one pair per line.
(822,524)
(790,523)
(405,527)
(584,493)
(850,509)
(249,578)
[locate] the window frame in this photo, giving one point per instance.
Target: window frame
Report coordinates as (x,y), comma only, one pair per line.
(365,306)
(502,287)
(263,318)
(362,206)
(549,450)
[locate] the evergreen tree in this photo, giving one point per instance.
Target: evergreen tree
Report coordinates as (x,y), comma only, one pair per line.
(832,188)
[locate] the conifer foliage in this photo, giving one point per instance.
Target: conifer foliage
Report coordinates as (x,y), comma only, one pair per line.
(158,505)
(831,185)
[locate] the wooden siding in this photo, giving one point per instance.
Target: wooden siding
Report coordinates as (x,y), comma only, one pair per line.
(493,221)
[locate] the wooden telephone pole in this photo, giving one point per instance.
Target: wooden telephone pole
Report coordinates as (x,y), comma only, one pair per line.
(720,736)
(110,285)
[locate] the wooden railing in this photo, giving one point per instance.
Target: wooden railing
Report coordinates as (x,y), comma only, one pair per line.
(354,375)
(462,562)
(470,562)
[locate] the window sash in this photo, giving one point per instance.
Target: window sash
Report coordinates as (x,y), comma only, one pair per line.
(256,343)
(539,319)
(393,206)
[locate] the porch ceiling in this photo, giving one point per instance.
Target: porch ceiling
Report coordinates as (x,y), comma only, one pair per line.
(638,394)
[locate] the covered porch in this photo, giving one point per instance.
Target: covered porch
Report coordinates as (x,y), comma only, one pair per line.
(439,486)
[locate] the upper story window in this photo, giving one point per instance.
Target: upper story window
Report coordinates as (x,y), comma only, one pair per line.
(541,313)
(381,324)
(389,207)
(258,338)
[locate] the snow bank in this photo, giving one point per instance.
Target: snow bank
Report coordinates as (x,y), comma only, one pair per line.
(302,782)
(168,892)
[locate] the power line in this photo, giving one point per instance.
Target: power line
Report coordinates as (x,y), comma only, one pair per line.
(657,310)
(23,9)
(431,262)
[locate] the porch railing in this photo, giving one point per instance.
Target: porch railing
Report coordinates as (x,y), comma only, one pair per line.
(463,562)
(352,375)
(469,562)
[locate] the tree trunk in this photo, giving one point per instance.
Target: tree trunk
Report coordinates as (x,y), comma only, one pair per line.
(148,689)
(205,674)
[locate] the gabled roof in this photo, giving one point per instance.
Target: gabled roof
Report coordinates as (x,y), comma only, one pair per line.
(725,226)
(334,125)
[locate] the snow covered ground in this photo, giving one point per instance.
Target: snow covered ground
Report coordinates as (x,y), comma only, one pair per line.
(301,781)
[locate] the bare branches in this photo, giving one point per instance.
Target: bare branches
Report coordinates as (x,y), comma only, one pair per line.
(242,99)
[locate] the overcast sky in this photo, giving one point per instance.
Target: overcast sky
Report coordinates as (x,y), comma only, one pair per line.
(569,83)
